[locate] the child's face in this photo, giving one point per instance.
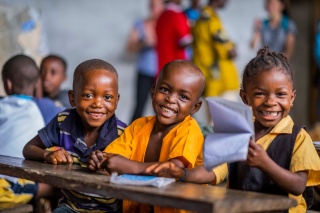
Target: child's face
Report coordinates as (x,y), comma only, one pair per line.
(52,76)
(175,96)
(95,97)
(270,95)
(274,7)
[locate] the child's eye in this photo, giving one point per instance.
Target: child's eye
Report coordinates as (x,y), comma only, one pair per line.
(282,94)
(184,97)
(108,97)
(163,89)
(258,94)
(87,95)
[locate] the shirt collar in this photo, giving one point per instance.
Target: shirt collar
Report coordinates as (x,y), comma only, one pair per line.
(108,131)
(22,96)
(284,126)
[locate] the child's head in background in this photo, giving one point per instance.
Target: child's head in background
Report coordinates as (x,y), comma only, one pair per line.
(53,74)
(177,92)
(95,92)
(20,75)
(268,86)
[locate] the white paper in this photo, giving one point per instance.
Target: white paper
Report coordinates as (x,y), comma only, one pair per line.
(233,128)
(140,180)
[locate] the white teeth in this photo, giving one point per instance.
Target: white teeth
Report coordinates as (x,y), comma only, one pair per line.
(168,110)
(274,114)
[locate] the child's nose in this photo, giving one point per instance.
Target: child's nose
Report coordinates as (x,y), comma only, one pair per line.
(97,102)
(271,100)
(171,98)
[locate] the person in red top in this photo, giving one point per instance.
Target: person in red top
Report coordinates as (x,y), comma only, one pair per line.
(173,34)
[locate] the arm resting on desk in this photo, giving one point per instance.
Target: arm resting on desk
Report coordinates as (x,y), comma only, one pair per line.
(35,150)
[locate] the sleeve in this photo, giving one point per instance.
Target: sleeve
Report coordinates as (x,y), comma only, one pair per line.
(292,28)
(220,172)
(305,157)
(123,144)
(221,43)
(187,143)
(182,29)
(50,134)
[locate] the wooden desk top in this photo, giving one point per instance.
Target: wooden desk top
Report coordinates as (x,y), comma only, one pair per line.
(179,195)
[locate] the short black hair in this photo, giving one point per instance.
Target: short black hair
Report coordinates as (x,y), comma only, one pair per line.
(191,68)
(55,57)
(266,60)
(22,71)
(89,65)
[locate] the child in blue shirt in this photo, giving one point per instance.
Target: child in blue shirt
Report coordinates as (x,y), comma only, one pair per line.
(74,133)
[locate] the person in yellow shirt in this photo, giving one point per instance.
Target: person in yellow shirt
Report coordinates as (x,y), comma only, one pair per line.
(213,52)
(171,135)
(281,158)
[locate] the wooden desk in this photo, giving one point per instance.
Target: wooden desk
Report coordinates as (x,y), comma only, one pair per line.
(179,195)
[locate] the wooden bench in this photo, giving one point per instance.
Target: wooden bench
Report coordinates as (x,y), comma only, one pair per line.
(23,208)
(178,195)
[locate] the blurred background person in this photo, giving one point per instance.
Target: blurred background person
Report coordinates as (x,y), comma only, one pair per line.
(278,31)
(193,11)
(173,34)
(142,40)
(53,70)
(214,52)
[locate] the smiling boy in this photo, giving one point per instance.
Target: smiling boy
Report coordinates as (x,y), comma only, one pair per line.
(75,133)
(171,135)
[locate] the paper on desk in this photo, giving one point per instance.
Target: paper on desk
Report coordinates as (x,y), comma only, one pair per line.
(233,128)
(140,180)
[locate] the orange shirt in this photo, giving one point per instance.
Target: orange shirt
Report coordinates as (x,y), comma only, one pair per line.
(184,140)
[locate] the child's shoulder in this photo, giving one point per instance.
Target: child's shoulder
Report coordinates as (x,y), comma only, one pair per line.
(120,125)
(61,116)
(190,126)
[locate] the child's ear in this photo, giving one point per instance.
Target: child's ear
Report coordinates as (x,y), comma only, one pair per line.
(71,98)
(243,96)
(152,90)
(117,99)
(8,86)
(196,107)
(293,96)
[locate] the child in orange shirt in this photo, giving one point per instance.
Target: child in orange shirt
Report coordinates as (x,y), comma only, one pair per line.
(171,135)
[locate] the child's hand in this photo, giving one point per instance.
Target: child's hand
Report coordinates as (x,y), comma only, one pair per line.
(60,156)
(166,169)
(115,163)
(95,160)
(257,156)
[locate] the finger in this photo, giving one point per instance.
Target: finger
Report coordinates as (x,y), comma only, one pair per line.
(53,160)
(99,155)
(251,152)
(150,169)
(252,144)
(60,156)
(160,167)
(91,167)
(68,157)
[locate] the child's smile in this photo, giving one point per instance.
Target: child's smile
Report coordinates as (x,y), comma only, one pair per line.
(270,94)
(270,115)
(167,112)
(96,115)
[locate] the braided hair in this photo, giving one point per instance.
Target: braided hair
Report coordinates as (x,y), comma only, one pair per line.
(266,60)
